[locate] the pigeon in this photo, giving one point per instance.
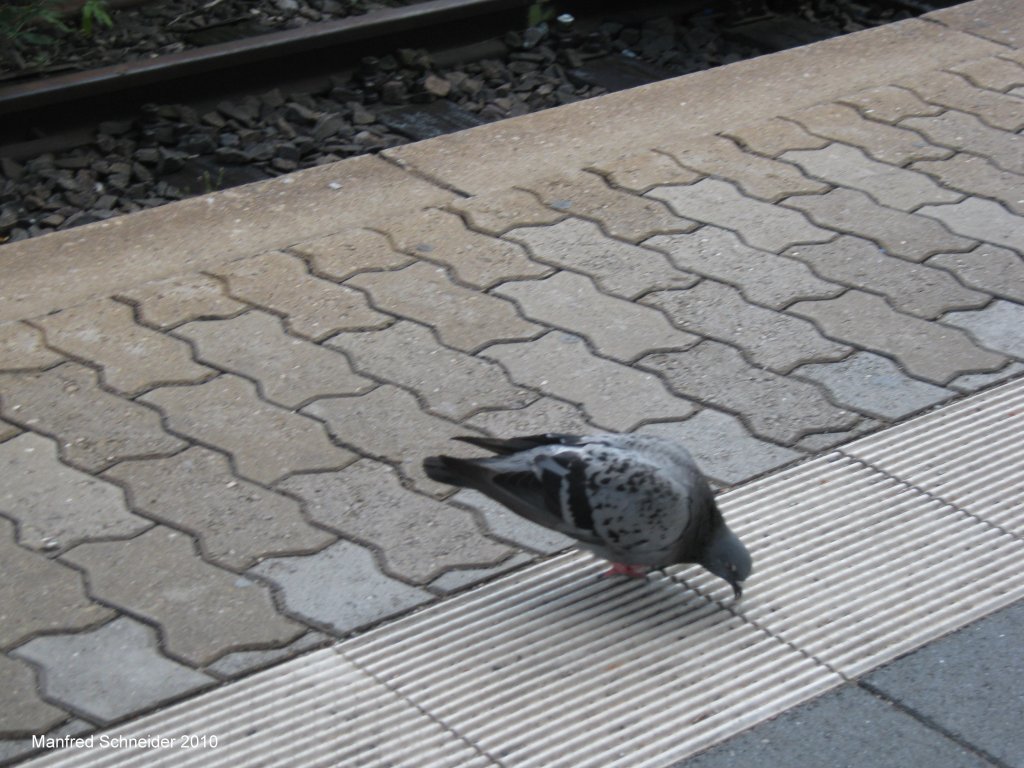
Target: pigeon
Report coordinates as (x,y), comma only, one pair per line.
(638,501)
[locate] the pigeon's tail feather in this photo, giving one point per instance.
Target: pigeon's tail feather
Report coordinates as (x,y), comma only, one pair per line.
(517,444)
(451,471)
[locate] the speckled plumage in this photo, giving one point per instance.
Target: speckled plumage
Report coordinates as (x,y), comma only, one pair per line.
(635,500)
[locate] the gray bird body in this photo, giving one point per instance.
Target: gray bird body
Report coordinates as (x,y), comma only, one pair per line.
(636,500)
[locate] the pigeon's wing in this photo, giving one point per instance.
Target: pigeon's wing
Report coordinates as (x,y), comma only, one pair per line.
(544,485)
(550,490)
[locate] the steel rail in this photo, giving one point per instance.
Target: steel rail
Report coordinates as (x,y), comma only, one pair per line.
(62,89)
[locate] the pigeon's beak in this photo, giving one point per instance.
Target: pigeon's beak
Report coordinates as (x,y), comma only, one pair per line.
(737,589)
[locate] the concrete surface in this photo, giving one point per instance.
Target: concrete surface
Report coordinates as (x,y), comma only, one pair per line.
(955,702)
(848,728)
(969,685)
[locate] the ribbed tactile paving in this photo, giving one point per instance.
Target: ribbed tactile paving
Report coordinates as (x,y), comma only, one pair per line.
(319,710)
(855,568)
(970,454)
(554,667)
(860,555)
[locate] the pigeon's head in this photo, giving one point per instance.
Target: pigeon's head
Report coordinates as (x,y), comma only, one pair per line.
(725,556)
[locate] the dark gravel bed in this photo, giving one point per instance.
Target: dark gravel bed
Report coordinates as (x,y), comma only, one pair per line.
(171,151)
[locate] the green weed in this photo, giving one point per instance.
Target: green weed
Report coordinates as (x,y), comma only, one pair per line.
(92,12)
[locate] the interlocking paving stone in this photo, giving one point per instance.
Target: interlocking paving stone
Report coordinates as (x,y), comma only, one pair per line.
(823,441)
(236,523)
(510,527)
(39,595)
(890,104)
(774,136)
(992,72)
(340,588)
(313,307)
(389,424)
(417,538)
(997,270)
(288,370)
(984,219)
(757,176)
(972,382)
(110,672)
(94,428)
(458,578)
(202,611)
(889,185)
(771,406)
(15,749)
(998,326)
(474,258)
(21,709)
(620,214)
(996,109)
(770,339)
(976,175)
(927,350)
(613,395)
(908,235)
(54,505)
(847,727)
(762,277)
(176,300)
(616,328)
(266,442)
(22,348)
(643,171)
(964,132)
(347,253)
(495,213)
(451,382)
(133,358)
(875,385)
(463,318)
(760,224)
(915,288)
(968,683)
(722,447)
(883,142)
(242,662)
(618,268)
(546,414)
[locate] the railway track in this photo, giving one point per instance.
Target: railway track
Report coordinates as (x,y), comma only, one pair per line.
(85,146)
(316,44)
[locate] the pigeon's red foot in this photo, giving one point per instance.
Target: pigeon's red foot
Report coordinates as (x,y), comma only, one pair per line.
(624,569)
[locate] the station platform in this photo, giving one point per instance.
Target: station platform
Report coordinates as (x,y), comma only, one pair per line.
(219,548)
